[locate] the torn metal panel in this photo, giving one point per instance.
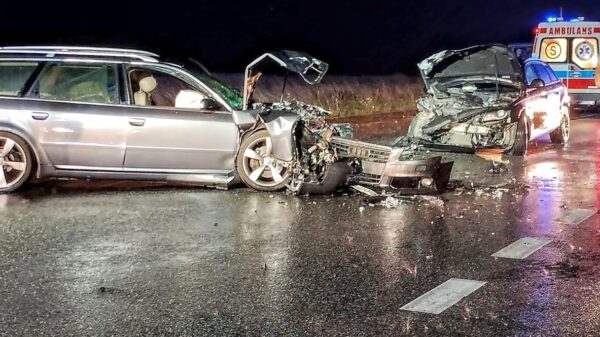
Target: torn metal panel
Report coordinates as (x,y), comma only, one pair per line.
(280,130)
(310,69)
(364,190)
(343,130)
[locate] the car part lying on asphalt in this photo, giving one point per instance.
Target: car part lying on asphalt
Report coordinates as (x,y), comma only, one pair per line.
(105,113)
(320,158)
(482,97)
(391,199)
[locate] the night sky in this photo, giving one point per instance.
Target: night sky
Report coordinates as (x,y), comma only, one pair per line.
(355,37)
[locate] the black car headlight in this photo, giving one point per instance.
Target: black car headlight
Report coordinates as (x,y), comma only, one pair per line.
(495,116)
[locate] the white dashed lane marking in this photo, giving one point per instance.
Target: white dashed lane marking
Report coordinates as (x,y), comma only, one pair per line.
(443,296)
(576,216)
(522,248)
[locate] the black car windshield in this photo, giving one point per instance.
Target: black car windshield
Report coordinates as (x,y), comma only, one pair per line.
(480,82)
(232,96)
(462,87)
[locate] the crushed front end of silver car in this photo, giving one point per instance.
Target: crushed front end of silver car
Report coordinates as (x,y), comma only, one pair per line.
(322,157)
(394,168)
(469,97)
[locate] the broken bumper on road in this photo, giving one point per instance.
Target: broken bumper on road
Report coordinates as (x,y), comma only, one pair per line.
(384,167)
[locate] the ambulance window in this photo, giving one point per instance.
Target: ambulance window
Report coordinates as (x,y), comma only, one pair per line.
(554,50)
(530,74)
(585,52)
(541,70)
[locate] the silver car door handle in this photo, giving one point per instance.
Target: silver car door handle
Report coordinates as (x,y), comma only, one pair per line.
(137,121)
(39,116)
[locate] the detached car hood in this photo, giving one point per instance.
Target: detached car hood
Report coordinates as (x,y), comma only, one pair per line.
(310,69)
(492,62)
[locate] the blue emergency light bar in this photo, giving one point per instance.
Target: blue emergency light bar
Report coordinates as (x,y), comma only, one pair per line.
(559,19)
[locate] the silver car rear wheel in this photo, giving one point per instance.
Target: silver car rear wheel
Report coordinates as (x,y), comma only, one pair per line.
(257,167)
(15,162)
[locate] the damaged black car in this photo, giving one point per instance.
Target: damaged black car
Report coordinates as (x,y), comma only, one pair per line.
(483,97)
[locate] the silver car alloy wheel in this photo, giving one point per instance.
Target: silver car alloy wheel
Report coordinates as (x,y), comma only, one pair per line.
(260,166)
(13,162)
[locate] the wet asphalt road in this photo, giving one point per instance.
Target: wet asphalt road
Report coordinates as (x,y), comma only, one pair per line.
(111,259)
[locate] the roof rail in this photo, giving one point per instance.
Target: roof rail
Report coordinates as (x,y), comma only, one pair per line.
(50,51)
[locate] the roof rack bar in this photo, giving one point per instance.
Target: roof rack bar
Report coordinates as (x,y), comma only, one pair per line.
(77,48)
(81,52)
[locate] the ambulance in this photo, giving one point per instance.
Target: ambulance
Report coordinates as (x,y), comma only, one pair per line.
(571,50)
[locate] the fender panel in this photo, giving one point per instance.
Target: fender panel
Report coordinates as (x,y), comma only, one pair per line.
(38,152)
(281,127)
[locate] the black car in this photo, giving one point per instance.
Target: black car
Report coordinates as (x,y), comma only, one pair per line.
(483,97)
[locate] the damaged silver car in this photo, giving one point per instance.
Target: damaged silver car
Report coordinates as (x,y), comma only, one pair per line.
(483,97)
(103,113)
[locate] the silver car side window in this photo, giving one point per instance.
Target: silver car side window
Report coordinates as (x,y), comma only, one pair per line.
(151,87)
(79,83)
(14,75)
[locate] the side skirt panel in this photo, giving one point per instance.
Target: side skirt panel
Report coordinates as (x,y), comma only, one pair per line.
(219,179)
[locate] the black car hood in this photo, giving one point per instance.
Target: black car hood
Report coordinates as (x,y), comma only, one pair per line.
(482,62)
(310,69)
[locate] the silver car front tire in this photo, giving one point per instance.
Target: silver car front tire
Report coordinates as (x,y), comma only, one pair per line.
(257,167)
(15,162)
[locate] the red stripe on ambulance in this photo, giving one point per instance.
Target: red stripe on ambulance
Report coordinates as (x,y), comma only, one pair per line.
(579,83)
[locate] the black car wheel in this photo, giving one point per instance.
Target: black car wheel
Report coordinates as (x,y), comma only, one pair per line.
(561,135)
(521,138)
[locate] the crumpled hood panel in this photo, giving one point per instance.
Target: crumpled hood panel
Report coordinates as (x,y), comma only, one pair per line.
(310,69)
(486,62)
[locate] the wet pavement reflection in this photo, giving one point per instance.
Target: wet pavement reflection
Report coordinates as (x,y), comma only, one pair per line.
(116,258)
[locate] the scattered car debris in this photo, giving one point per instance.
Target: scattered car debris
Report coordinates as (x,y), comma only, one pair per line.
(364,190)
(495,191)
(497,167)
(496,155)
(391,202)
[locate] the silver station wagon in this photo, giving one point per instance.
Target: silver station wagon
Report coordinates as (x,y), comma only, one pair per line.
(103,113)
